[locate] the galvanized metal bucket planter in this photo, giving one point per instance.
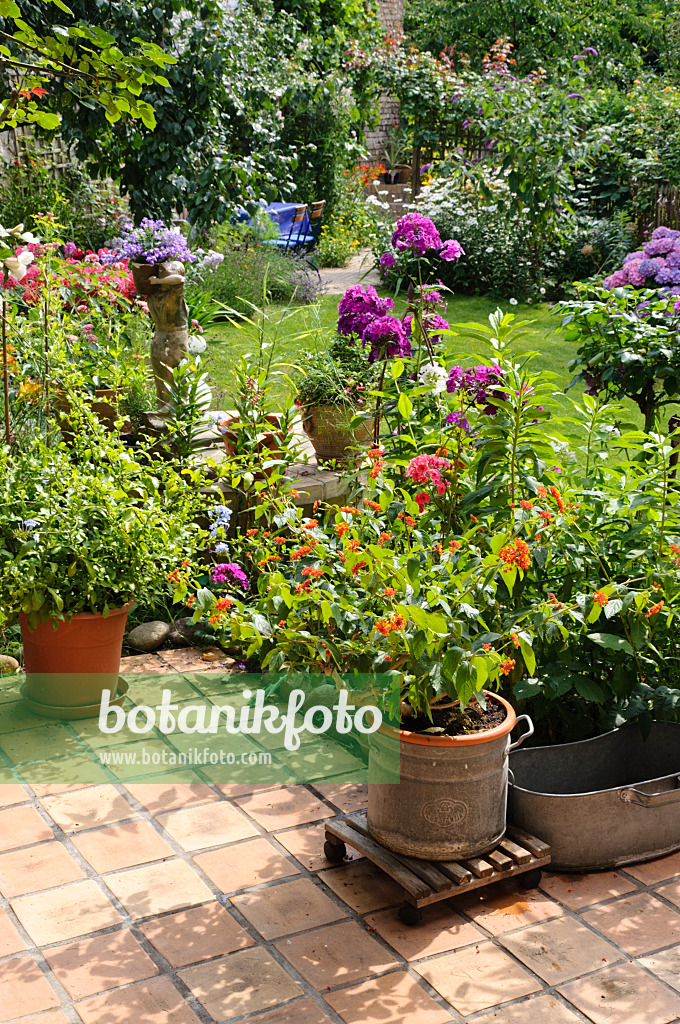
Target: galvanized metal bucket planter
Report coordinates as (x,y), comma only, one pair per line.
(451,798)
(603,802)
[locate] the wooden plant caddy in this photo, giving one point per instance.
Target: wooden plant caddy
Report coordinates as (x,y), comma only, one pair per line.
(425,881)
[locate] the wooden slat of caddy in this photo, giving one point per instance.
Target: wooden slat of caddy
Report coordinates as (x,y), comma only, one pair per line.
(536,846)
(479,867)
(518,853)
(382,857)
(427,870)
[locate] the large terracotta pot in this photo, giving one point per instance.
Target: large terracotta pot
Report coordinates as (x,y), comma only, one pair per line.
(70,666)
(450,801)
(329,429)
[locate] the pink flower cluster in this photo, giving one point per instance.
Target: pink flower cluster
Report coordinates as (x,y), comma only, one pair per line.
(84,276)
(425,469)
(657,264)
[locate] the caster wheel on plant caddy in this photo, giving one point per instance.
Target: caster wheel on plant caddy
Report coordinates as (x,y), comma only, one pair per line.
(334,852)
(531,879)
(410,915)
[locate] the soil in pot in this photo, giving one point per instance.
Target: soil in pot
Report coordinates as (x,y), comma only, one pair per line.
(452,720)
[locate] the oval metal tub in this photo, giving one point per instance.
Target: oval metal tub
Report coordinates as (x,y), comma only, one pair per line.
(603,802)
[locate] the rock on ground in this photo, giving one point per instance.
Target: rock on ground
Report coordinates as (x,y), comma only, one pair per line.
(149,636)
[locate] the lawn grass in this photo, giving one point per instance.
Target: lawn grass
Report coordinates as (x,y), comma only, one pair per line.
(227,343)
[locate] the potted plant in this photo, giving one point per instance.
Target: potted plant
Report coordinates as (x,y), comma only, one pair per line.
(333,397)
(85,532)
(396,148)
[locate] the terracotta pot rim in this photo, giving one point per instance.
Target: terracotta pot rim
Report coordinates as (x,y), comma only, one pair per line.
(466,740)
(81,616)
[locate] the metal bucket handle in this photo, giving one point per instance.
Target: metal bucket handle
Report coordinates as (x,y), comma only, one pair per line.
(636,796)
(526,735)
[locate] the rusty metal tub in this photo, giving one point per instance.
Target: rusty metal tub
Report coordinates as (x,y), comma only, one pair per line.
(603,802)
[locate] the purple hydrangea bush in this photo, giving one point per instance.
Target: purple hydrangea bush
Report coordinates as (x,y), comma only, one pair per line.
(656,265)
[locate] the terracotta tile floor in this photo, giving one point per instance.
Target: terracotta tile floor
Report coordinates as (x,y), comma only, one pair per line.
(180,902)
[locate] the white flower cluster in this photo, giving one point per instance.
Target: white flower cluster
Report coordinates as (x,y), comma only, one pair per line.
(434,376)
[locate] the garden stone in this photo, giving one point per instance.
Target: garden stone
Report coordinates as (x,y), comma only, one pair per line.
(149,636)
(182,632)
(8,665)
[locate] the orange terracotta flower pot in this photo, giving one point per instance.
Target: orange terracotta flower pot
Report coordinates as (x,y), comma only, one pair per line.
(70,666)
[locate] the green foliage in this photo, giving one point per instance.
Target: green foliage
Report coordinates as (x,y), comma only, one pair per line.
(628,346)
(88,528)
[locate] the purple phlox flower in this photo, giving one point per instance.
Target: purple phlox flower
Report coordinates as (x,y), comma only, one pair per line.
(480,383)
(456,419)
(387,261)
(358,307)
(416,233)
(425,168)
(591,50)
(230,573)
(451,251)
(574,96)
(490,144)
(387,338)
(432,322)
(432,298)
(467,122)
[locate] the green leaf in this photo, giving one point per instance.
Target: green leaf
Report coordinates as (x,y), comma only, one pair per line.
(589,690)
(611,642)
(405,406)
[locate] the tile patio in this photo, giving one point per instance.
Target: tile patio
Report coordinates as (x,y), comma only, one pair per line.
(160,902)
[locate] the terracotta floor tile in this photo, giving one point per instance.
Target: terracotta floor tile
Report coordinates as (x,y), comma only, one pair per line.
(241,983)
(245,864)
(12,794)
(157,888)
(666,966)
(22,826)
(539,1010)
(347,798)
(560,949)
(441,930)
(670,892)
(477,977)
(41,744)
(24,989)
(232,790)
(87,808)
(38,867)
(196,934)
(363,886)
(142,663)
(65,913)
(149,1002)
(95,965)
(655,870)
(623,995)
(393,999)
(306,845)
(303,1012)
(49,1017)
(336,955)
(211,824)
(505,906)
(160,796)
(286,908)
(638,923)
(577,891)
(283,808)
(10,940)
(65,773)
(190,660)
(121,846)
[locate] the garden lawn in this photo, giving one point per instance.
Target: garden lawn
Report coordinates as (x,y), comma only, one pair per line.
(311,325)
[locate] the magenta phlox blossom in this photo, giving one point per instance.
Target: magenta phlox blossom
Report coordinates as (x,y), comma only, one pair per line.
(230,573)
(417,233)
(432,322)
(481,384)
(358,307)
(387,339)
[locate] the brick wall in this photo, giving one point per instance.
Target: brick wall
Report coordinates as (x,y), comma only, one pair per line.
(391,14)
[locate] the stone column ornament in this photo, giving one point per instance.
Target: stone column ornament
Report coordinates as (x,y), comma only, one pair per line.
(162,284)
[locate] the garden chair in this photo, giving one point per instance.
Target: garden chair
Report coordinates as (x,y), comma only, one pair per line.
(295,240)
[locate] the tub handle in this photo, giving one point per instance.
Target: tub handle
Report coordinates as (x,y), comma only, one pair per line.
(527,734)
(636,796)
